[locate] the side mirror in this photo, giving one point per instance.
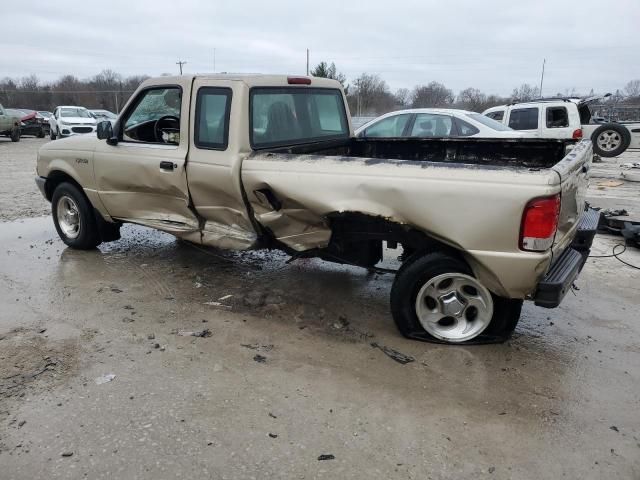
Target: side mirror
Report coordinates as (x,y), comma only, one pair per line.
(105,130)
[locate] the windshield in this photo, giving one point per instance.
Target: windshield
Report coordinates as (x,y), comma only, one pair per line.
(293,115)
(75,112)
(103,114)
(488,122)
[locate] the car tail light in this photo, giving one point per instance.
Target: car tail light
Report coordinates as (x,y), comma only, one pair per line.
(539,223)
(577,134)
(298,81)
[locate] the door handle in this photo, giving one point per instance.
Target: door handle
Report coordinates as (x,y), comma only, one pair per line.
(168,165)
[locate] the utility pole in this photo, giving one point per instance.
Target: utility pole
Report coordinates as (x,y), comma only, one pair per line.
(181,63)
(214,60)
(542,76)
(307,61)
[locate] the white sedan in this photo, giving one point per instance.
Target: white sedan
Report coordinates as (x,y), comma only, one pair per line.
(435,123)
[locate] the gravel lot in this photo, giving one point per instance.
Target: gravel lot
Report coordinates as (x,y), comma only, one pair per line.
(281,370)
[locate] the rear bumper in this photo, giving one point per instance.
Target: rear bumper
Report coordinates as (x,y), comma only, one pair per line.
(566,268)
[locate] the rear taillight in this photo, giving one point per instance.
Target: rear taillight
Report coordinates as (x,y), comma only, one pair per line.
(298,81)
(539,223)
(577,134)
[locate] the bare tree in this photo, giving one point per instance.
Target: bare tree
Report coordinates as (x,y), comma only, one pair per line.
(525,93)
(370,95)
(432,95)
(632,88)
(472,99)
(402,97)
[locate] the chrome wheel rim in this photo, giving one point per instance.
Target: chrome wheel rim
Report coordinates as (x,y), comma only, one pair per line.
(454,307)
(68,216)
(609,140)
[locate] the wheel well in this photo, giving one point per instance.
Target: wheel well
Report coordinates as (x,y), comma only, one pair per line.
(359,234)
(54,179)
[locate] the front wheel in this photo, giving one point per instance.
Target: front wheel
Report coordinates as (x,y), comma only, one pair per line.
(41,133)
(73,217)
(436,298)
(52,134)
(15,134)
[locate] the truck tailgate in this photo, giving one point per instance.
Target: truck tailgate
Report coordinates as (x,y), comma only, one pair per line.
(573,172)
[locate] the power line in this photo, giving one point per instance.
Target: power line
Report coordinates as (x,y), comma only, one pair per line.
(181,63)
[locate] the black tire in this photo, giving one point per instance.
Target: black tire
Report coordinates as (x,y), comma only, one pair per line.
(52,134)
(88,235)
(417,270)
(15,134)
(622,131)
(41,133)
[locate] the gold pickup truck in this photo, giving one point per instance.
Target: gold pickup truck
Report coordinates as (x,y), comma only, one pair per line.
(254,161)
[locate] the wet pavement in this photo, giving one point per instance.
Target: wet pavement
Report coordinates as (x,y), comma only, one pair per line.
(101,375)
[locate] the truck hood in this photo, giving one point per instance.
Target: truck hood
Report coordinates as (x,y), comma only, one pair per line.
(79,142)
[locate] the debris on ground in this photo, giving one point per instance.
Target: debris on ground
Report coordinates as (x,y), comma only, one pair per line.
(614,428)
(273,435)
(272,415)
(394,354)
(66,454)
(259,358)
(105,378)
(326,456)
(198,333)
(631,234)
(225,297)
(609,183)
(151,336)
(257,346)
(217,304)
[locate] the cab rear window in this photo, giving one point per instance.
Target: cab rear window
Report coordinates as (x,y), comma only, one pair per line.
(294,115)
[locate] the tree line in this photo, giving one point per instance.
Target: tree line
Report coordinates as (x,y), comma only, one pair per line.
(367,95)
(107,90)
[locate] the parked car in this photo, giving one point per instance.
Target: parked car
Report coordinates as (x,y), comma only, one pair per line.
(101,115)
(246,161)
(31,122)
(567,118)
(9,124)
(69,120)
(435,122)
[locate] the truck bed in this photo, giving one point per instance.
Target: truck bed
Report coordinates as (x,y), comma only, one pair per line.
(522,153)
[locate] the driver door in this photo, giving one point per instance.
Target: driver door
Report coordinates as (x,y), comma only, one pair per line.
(142,178)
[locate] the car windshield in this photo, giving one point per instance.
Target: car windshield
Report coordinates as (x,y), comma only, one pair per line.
(75,112)
(294,115)
(488,122)
(45,114)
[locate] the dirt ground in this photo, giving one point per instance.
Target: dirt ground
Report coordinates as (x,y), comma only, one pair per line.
(102,374)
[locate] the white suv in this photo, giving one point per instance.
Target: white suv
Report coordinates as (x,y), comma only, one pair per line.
(69,120)
(567,118)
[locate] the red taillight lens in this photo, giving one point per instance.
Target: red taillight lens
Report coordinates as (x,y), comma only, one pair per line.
(577,134)
(298,81)
(539,223)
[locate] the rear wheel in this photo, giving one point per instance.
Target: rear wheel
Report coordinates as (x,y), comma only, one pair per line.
(73,217)
(436,298)
(41,132)
(610,140)
(15,134)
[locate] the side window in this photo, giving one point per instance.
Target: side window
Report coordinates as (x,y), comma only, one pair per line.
(429,125)
(524,118)
(389,127)
(557,117)
(465,129)
(155,117)
(212,118)
(498,115)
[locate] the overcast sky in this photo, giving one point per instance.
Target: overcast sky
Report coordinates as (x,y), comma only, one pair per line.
(493,45)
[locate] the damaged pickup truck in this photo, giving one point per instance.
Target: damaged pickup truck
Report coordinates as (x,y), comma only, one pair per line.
(252,161)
